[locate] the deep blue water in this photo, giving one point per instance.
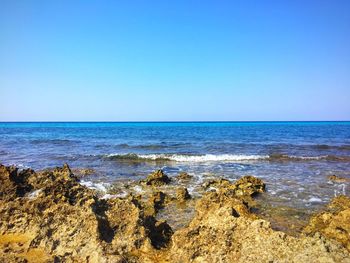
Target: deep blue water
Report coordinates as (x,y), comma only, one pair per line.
(294,158)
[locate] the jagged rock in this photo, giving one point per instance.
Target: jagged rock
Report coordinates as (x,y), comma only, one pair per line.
(13,183)
(217,183)
(249,185)
(156,202)
(224,230)
(183,176)
(157,178)
(50,217)
(245,186)
(333,223)
(83,172)
(182,194)
(50,214)
(338,179)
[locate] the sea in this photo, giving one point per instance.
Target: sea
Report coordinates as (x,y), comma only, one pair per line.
(295,159)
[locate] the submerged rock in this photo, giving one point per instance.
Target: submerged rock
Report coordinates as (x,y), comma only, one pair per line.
(338,179)
(157,178)
(183,176)
(83,172)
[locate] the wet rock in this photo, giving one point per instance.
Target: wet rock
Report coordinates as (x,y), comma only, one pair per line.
(157,178)
(338,179)
(183,176)
(334,222)
(245,186)
(216,183)
(81,172)
(249,185)
(182,194)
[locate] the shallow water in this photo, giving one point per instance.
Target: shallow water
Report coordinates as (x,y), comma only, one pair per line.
(293,158)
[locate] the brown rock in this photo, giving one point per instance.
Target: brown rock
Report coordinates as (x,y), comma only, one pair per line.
(245,186)
(338,179)
(182,194)
(50,214)
(83,172)
(183,176)
(156,202)
(333,223)
(157,178)
(224,230)
(50,217)
(249,185)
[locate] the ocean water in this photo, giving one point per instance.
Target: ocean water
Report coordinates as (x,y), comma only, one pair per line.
(293,158)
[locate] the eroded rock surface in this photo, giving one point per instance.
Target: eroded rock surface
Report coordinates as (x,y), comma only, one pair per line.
(182,194)
(334,222)
(51,214)
(50,217)
(245,186)
(183,176)
(157,178)
(224,230)
(338,179)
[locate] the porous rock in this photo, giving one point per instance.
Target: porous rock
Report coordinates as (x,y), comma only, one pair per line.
(334,222)
(183,176)
(224,230)
(182,194)
(50,214)
(157,178)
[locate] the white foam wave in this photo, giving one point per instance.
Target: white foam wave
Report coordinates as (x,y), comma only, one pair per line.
(99,186)
(195,158)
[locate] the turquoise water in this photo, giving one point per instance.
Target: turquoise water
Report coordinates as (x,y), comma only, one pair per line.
(294,158)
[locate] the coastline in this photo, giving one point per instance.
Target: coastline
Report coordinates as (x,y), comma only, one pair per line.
(50,215)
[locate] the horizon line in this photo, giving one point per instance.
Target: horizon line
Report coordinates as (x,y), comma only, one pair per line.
(178,121)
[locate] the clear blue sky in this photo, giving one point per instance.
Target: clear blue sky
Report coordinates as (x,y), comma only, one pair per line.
(174,60)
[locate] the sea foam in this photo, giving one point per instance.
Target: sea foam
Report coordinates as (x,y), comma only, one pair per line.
(188,158)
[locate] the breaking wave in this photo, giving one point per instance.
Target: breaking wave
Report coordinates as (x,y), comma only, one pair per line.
(219,157)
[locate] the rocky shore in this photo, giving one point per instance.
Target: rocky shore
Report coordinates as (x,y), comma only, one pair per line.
(48,216)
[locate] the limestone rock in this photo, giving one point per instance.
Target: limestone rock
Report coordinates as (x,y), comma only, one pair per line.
(245,186)
(333,223)
(157,178)
(50,214)
(338,179)
(182,194)
(249,185)
(183,176)
(50,217)
(224,230)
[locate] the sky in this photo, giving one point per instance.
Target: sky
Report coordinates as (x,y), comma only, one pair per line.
(174,60)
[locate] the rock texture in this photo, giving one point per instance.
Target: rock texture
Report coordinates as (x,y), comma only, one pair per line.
(245,186)
(157,178)
(334,222)
(183,176)
(224,230)
(182,194)
(338,179)
(50,217)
